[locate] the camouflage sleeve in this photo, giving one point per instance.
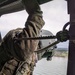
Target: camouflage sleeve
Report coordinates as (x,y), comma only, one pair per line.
(34,24)
(32,29)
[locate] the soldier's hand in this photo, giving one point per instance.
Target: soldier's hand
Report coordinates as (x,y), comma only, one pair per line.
(31,6)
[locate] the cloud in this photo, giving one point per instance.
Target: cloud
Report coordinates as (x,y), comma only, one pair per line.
(14,20)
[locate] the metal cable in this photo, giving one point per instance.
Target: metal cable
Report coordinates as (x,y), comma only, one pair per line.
(36,38)
(45,48)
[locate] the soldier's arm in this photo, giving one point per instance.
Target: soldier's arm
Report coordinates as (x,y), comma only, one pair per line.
(35,20)
(33,24)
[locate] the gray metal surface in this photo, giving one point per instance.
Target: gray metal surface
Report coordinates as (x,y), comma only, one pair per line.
(48,41)
(71,57)
(9,6)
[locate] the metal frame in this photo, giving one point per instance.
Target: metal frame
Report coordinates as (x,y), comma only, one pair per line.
(10,6)
(71,56)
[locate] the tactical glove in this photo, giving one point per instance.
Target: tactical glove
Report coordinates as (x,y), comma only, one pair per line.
(31,6)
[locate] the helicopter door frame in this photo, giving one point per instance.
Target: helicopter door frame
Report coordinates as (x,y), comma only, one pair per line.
(71,55)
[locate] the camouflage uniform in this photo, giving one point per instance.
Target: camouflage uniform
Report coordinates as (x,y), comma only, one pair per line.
(17,56)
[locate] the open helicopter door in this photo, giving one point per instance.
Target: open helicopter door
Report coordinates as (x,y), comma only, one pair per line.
(9,6)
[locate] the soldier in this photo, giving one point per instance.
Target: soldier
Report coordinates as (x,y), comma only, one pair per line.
(17,57)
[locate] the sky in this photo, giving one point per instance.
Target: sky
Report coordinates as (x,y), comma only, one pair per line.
(54,13)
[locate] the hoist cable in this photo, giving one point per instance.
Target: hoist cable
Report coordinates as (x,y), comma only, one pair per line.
(45,48)
(66,25)
(36,38)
